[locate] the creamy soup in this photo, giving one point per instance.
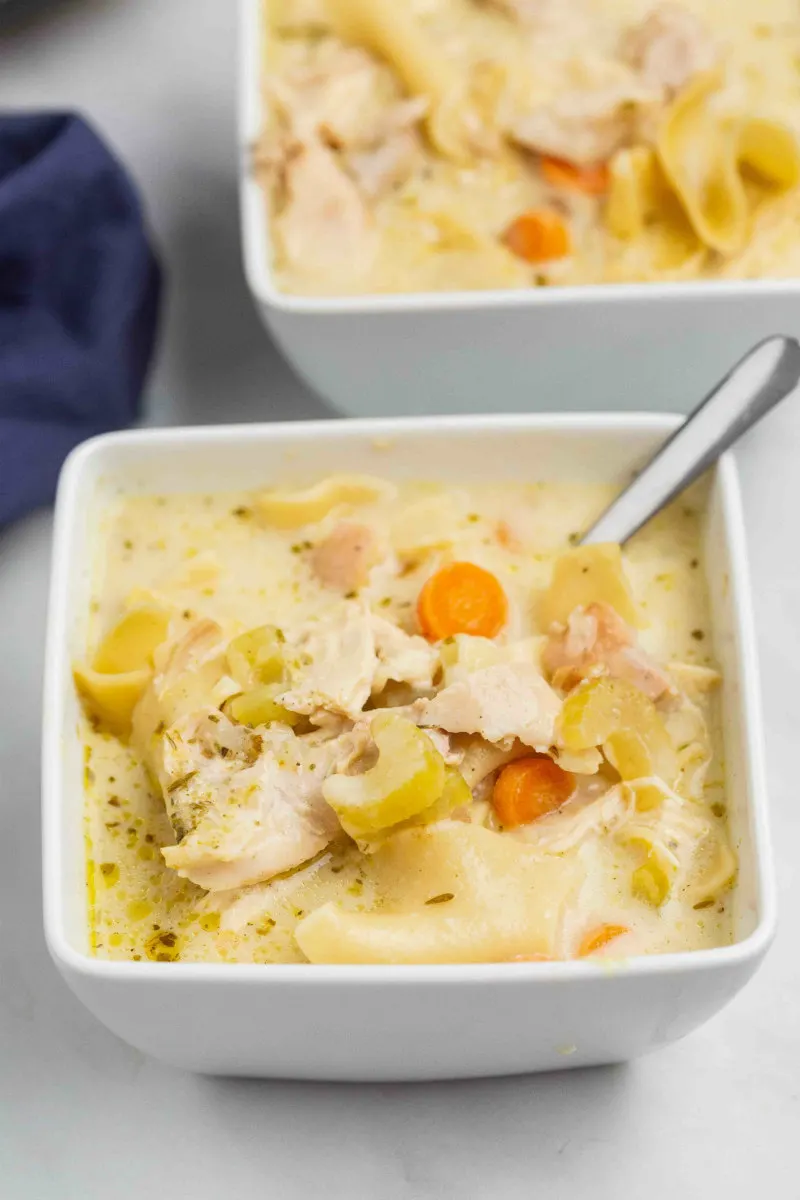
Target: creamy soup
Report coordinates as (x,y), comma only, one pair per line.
(363,722)
(417,145)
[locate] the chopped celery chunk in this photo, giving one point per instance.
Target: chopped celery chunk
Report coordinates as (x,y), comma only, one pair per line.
(259,707)
(257,656)
(408,778)
(614,714)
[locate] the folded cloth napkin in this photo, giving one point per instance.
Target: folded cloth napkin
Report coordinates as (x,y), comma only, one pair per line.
(79,299)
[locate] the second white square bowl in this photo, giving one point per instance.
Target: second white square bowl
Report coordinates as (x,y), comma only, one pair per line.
(380,1023)
(625,347)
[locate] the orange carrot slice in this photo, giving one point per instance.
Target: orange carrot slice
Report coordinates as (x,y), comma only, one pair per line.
(597,938)
(530,788)
(538,235)
(592,179)
(461,598)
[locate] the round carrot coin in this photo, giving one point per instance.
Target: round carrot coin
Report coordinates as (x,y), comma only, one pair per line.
(538,236)
(530,788)
(461,598)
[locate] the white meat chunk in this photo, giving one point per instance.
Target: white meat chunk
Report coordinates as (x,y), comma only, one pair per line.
(502,702)
(246,805)
(348,101)
(586,125)
(333,663)
(323,221)
(669,47)
(481,759)
(190,672)
(402,657)
(382,168)
(343,559)
(597,641)
(344,97)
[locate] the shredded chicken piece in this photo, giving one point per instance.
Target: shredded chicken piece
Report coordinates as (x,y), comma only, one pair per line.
(502,702)
(453,755)
(597,641)
(200,643)
(348,101)
(343,96)
(188,670)
(334,663)
(343,559)
(481,759)
(246,805)
(323,220)
(561,831)
(402,657)
(586,125)
(669,47)
(385,166)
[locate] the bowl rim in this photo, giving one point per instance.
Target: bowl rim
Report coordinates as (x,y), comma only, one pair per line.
(257,258)
(63,565)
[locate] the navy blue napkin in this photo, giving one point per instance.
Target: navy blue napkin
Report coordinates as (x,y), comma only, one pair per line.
(79,300)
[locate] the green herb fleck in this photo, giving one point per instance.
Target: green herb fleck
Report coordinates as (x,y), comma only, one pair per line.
(184,779)
(163,947)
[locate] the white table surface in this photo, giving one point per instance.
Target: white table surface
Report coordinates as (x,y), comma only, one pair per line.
(84,1116)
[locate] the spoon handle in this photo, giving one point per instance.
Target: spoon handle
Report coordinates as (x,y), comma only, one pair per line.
(765,375)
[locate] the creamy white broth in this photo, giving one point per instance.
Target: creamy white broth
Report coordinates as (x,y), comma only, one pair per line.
(440,224)
(208,556)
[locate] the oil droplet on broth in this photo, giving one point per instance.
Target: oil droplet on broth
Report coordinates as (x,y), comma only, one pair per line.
(109,873)
(137,910)
(162,946)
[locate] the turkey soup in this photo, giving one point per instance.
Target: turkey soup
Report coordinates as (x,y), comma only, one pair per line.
(426,145)
(361,722)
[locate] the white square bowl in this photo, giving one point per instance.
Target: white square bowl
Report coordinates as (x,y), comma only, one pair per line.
(375,1022)
(455,352)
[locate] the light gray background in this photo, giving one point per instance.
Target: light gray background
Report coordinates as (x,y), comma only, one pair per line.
(84,1116)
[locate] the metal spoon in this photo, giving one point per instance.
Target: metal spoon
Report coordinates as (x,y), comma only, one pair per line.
(768,373)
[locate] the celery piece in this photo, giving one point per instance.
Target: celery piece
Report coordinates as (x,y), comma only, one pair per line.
(408,778)
(257,656)
(258,706)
